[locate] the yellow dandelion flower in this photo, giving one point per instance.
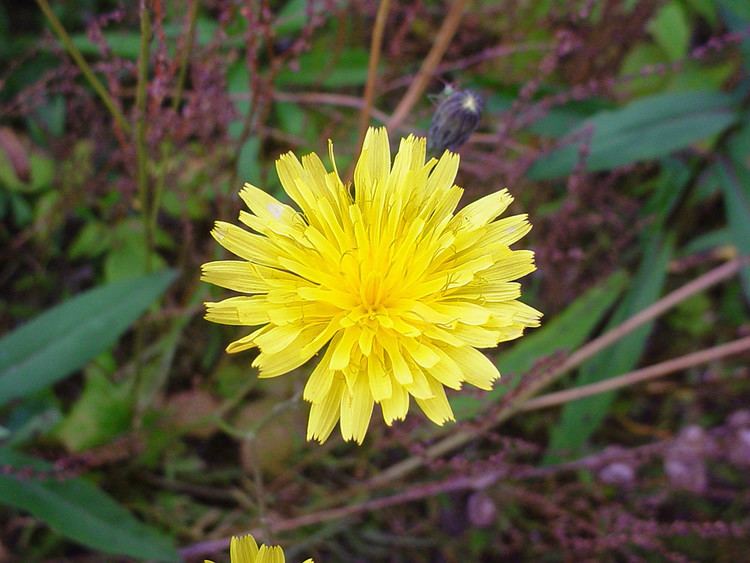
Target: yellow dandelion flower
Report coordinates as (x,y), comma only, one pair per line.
(243,549)
(400,287)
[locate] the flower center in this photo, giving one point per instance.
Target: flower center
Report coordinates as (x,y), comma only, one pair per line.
(371,293)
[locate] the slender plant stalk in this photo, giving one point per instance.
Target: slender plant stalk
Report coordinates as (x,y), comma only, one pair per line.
(141,151)
(326,98)
(84,67)
(442,40)
(458,439)
(185,55)
(372,69)
(165,151)
(639,375)
(260,493)
(142,182)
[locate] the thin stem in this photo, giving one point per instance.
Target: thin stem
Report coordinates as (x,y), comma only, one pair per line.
(141,153)
(142,176)
(84,67)
(639,375)
(458,439)
(185,55)
(372,69)
(165,150)
(443,39)
(326,98)
(260,493)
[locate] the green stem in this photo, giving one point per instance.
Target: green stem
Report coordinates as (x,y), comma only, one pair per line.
(84,67)
(141,152)
(142,175)
(165,150)
(185,56)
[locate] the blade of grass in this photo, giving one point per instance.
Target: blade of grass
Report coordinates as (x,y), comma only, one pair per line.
(580,419)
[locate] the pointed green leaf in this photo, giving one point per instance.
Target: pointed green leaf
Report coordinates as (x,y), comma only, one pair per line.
(581,418)
(648,128)
(80,511)
(735,183)
(62,339)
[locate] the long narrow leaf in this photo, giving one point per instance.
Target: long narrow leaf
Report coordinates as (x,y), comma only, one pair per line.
(80,511)
(581,418)
(735,183)
(61,340)
(645,129)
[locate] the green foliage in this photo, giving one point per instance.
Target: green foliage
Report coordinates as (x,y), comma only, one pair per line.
(666,183)
(734,179)
(648,128)
(127,256)
(671,31)
(79,510)
(101,413)
(316,68)
(581,418)
(64,338)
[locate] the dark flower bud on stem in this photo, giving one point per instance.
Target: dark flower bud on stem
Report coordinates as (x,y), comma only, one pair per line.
(455,119)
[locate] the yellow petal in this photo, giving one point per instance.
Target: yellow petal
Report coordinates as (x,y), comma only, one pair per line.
(447,371)
(380,381)
(342,348)
(269,554)
(243,549)
(423,355)
(319,383)
(396,406)
(356,410)
(245,311)
(255,248)
(477,368)
(437,408)
(481,211)
(325,414)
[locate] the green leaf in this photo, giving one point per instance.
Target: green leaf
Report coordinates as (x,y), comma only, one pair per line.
(565,332)
(646,129)
(101,413)
(317,67)
(706,8)
(735,183)
(238,82)
(670,29)
(669,187)
(124,44)
(93,239)
(293,16)
(248,165)
(80,511)
(581,418)
(127,254)
(64,338)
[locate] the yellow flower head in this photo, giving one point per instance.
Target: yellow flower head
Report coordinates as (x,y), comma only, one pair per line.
(400,289)
(243,549)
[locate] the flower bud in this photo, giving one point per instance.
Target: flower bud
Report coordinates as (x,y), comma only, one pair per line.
(455,119)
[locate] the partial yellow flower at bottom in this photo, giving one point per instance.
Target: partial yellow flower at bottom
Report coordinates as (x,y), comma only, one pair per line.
(243,549)
(394,288)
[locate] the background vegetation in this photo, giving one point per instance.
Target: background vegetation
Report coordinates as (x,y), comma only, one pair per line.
(622,128)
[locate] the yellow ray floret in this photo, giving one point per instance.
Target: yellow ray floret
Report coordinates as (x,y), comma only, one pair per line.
(384,280)
(243,549)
